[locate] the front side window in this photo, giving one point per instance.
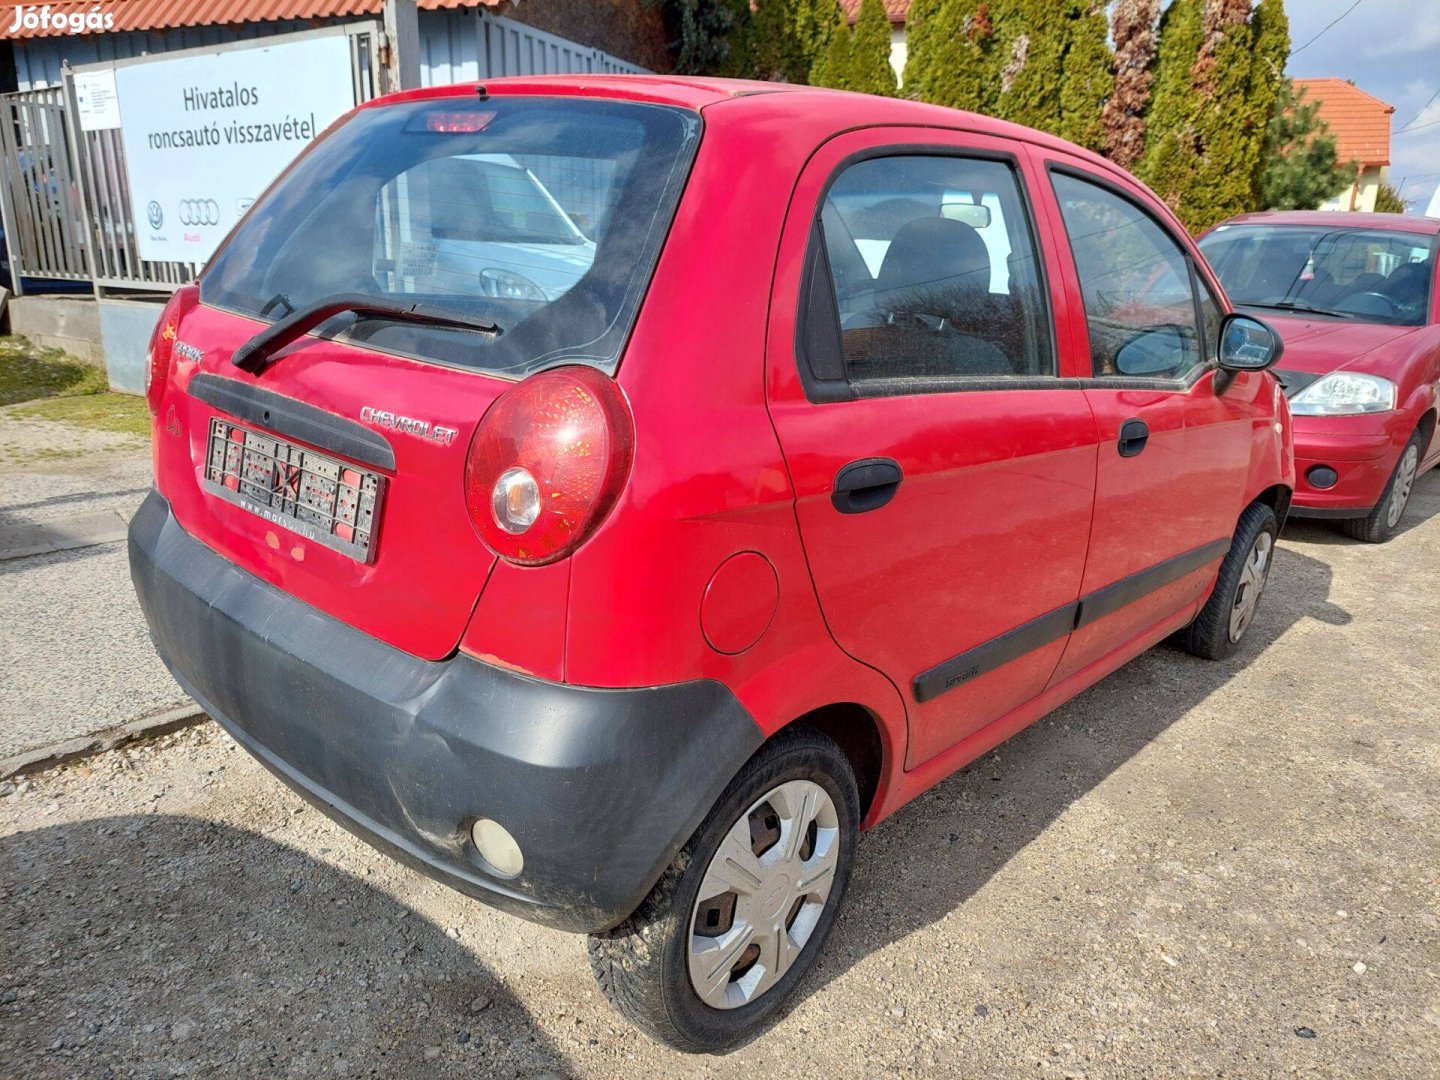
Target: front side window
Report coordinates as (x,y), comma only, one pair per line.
(1136,283)
(1369,275)
(934,271)
(543,216)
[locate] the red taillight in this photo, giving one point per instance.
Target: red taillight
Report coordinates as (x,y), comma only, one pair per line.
(546,464)
(162,344)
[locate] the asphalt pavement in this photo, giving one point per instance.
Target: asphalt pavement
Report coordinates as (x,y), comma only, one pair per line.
(77,657)
(1193,869)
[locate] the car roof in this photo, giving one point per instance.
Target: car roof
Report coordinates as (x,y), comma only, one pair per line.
(1330,219)
(750,100)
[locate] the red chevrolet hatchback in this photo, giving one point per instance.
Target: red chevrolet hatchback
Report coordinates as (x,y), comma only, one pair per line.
(610,495)
(1357,301)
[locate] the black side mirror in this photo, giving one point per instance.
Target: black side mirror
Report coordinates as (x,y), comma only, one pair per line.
(1247,344)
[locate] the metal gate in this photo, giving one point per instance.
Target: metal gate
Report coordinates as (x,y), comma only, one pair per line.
(45,224)
(66,193)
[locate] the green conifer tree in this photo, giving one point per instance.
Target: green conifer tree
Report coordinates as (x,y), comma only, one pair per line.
(1229,138)
(1301,169)
(811,24)
(961,71)
(1388,200)
(921,40)
(832,66)
(1171,148)
(870,70)
(1087,79)
(1032,34)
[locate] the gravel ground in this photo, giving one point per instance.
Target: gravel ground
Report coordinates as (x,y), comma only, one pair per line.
(78,604)
(1193,869)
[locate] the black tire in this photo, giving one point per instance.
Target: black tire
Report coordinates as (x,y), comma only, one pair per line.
(1378,526)
(642,964)
(1210,635)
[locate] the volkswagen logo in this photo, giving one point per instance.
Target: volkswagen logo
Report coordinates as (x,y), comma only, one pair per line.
(155,214)
(199,212)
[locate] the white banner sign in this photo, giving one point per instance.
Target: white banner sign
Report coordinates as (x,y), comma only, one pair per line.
(205,134)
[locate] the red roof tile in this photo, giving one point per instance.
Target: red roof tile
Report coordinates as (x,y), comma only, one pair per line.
(1359,122)
(896,9)
(172,14)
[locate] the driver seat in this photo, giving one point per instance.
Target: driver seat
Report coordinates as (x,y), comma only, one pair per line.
(932,296)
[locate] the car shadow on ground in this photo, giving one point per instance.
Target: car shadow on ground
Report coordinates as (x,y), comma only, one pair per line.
(152,945)
(1424,504)
(934,854)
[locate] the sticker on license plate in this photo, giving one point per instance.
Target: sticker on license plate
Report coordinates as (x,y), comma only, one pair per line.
(309,493)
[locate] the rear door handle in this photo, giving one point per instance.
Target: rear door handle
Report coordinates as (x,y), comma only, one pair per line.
(867,484)
(1134,434)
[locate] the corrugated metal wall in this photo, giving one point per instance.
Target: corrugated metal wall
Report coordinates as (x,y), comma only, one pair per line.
(455,46)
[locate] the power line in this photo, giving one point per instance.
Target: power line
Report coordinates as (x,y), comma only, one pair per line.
(1406,126)
(1417,127)
(1331,23)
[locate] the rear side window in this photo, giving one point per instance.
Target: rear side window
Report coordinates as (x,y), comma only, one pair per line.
(544,216)
(1140,299)
(934,272)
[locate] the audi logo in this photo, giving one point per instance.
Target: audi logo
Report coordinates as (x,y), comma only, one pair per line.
(199,212)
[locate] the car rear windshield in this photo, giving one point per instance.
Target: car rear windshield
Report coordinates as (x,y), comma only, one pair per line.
(1369,275)
(543,216)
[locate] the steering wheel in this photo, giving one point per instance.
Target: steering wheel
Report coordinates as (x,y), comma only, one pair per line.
(1348,304)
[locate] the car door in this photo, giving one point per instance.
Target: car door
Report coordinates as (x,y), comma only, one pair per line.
(1174,442)
(943,473)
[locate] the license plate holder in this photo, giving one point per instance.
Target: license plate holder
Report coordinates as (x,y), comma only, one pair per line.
(314,495)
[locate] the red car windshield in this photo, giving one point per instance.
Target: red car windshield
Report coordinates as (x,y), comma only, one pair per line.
(1369,275)
(542,216)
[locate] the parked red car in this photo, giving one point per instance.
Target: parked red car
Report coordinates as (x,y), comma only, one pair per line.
(1356,299)
(866,433)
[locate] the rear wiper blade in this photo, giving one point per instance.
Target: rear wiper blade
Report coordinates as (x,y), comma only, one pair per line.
(254,355)
(1298,305)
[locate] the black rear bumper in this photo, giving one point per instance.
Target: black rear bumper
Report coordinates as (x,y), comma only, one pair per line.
(600,788)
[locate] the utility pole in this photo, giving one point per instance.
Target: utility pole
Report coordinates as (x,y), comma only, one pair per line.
(401,54)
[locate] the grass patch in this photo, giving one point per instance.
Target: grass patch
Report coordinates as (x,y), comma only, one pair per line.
(28,373)
(59,387)
(124,414)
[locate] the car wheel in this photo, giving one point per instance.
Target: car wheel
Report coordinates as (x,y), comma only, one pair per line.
(738,918)
(1379,525)
(1231,609)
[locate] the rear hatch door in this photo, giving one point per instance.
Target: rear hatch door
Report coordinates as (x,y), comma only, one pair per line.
(336,476)
(335,468)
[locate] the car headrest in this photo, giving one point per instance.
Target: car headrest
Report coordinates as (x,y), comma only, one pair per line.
(935,253)
(1407,283)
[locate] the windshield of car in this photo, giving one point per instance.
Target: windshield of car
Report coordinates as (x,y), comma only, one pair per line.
(544,216)
(1369,275)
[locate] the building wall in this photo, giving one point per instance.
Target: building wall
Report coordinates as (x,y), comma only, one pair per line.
(1360,195)
(898,52)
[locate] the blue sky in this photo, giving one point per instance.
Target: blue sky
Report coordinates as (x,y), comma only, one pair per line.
(1389,48)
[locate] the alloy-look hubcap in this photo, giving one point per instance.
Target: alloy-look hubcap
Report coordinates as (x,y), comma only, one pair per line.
(1404,481)
(763,894)
(1252,584)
